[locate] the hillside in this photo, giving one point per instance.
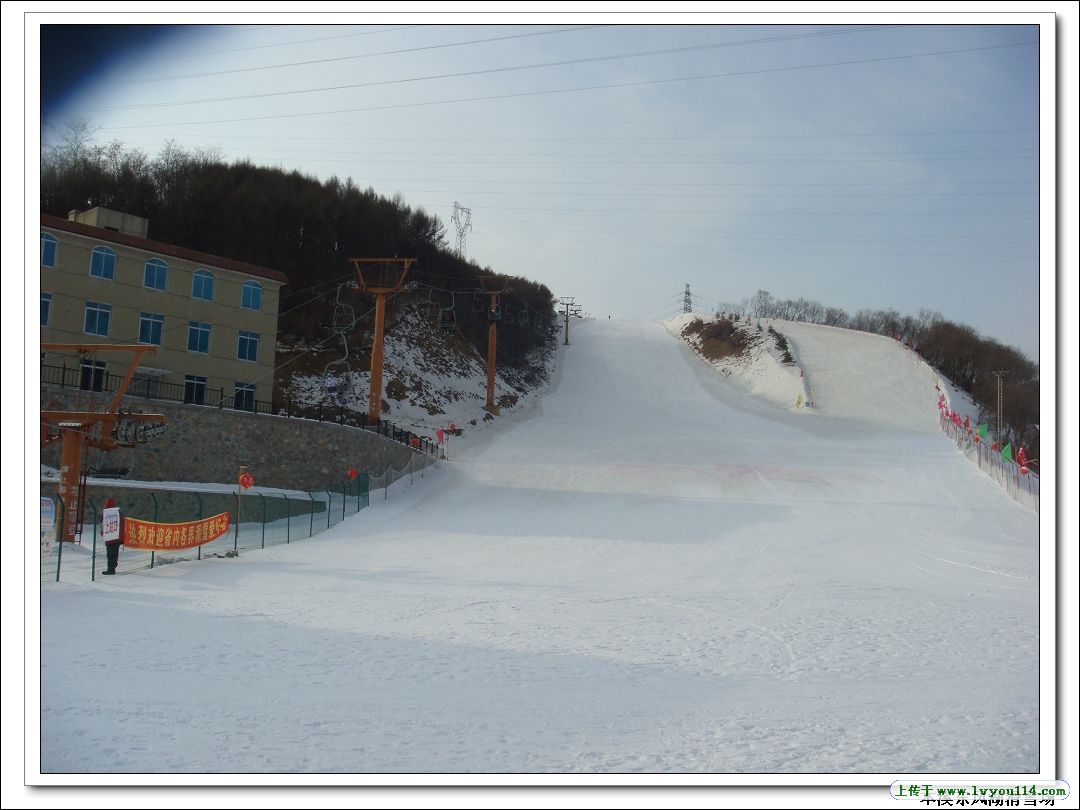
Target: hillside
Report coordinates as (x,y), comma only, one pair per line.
(431,379)
(647,571)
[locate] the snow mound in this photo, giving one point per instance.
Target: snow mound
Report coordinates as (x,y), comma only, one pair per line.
(758,371)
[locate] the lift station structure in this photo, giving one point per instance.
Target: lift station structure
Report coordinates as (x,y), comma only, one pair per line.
(109,429)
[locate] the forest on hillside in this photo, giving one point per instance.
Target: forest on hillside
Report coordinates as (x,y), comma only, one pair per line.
(957,351)
(292,222)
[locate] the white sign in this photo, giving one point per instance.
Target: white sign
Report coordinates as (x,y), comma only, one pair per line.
(110,524)
(48,523)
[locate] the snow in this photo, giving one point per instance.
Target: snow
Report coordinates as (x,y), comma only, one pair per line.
(646,570)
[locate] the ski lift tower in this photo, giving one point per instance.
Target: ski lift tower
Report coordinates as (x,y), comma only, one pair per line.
(380,277)
(493,286)
(108,429)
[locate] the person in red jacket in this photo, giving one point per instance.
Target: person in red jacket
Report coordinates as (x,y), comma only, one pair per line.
(110,533)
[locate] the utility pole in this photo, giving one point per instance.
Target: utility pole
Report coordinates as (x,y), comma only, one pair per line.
(380,277)
(999,375)
(687,301)
(493,286)
(567,301)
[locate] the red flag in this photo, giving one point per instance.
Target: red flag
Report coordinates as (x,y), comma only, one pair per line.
(1021,457)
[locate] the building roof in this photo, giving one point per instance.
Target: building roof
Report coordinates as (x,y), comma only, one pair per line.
(161,248)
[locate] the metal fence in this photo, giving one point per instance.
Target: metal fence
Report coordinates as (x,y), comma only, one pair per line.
(267,518)
(1023,487)
(92,380)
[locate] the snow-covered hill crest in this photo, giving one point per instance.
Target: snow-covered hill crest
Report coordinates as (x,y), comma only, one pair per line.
(758,369)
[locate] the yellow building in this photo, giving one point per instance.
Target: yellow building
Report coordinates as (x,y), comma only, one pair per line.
(213,320)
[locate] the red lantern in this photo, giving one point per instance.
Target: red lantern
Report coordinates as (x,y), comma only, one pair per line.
(994,446)
(978,439)
(453,426)
(1023,470)
(247,480)
(353,472)
(415,441)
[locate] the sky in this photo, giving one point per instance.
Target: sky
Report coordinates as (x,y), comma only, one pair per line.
(868,161)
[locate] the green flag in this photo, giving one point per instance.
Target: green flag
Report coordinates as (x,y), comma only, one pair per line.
(1006,452)
(982,430)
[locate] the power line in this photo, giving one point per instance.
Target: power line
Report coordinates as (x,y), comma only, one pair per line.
(361,55)
(471,139)
(586,88)
(462,74)
(199,54)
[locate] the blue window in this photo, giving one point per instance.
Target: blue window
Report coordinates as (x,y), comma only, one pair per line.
(244,397)
(198,337)
(48,250)
(150,326)
(103,263)
(251,295)
(155,274)
(194,389)
(46,308)
(247,347)
(97,318)
(202,285)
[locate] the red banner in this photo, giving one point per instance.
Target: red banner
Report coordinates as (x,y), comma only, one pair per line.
(173,536)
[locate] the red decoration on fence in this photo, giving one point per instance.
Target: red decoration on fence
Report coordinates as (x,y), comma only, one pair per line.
(415,441)
(247,480)
(978,439)
(1023,470)
(994,446)
(353,472)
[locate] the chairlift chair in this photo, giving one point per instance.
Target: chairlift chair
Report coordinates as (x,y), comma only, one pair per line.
(447,320)
(344,315)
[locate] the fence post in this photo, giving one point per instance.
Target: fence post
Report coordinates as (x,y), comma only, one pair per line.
(198,500)
(288,518)
(344,495)
(152,552)
(93,541)
(93,548)
(262,499)
(329,503)
(311,528)
(59,537)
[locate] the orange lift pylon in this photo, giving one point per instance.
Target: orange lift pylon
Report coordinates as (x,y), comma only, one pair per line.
(78,430)
(493,286)
(380,277)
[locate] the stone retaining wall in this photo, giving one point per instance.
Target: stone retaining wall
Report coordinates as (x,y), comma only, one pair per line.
(205,444)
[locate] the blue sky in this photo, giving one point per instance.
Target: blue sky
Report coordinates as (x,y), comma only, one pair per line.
(865,162)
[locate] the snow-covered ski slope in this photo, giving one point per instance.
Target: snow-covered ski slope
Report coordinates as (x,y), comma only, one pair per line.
(649,571)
